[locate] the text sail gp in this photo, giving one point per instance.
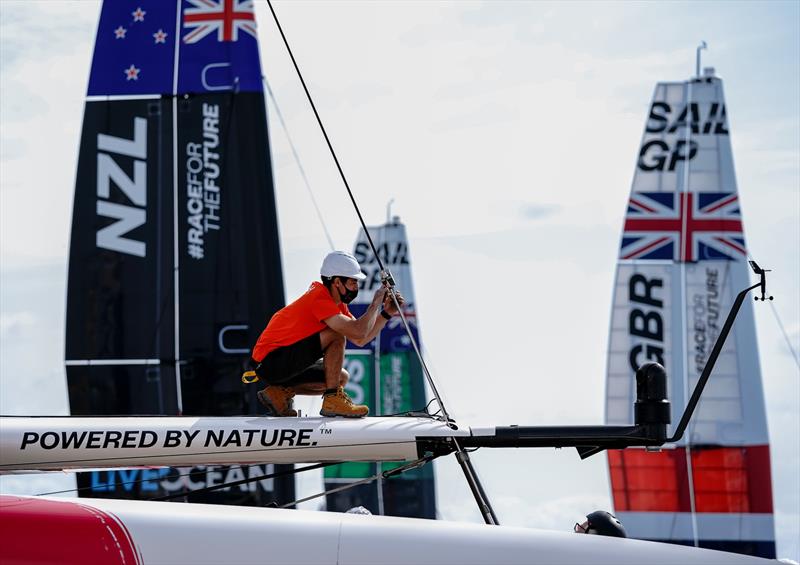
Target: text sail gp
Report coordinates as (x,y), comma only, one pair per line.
(173,201)
(682,260)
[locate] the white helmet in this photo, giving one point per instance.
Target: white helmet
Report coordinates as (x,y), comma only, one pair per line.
(341,264)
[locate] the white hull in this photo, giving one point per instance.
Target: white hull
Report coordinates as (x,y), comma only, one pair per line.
(173,533)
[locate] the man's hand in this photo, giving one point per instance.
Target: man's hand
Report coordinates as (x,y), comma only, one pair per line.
(380,296)
(388,303)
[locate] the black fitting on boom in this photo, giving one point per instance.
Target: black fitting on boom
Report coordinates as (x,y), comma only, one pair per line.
(652,410)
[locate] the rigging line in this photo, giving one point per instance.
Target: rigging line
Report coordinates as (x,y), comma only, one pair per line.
(382,475)
(684,331)
(462,456)
(179,475)
(423,413)
(360,217)
(785,334)
(332,491)
(325,134)
(274,475)
(781,326)
(298,162)
(414,344)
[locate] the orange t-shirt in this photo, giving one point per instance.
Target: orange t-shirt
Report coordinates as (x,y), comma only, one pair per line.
(298,320)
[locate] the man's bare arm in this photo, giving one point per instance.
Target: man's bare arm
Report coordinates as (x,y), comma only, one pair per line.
(380,322)
(390,308)
(362,330)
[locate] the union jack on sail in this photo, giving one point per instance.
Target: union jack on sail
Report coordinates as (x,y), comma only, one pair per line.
(226,17)
(685,227)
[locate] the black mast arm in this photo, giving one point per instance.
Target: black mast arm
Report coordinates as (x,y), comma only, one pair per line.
(651,410)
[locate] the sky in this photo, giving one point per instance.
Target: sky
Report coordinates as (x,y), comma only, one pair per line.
(507,134)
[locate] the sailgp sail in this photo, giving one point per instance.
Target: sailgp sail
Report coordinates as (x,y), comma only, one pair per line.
(387,376)
(682,261)
(174,257)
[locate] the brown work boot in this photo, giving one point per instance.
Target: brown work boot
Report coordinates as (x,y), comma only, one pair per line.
(277,400)
(339,404)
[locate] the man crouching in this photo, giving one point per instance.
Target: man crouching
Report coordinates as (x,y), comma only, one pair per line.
(301,351)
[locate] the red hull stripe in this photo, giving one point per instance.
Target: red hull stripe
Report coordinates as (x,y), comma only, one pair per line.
(75,533)
(726,479)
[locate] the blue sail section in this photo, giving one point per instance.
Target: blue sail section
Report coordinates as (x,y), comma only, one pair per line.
(215,42)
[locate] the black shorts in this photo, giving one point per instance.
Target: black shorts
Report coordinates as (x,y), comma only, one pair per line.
(298,363)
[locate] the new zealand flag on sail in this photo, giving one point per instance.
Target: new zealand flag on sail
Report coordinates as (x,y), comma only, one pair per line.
(685,227)
(176,47)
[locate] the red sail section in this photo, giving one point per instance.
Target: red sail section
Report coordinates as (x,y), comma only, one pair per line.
(725,480)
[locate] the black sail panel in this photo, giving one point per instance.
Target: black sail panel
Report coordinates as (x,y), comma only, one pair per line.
(119,271)
(174,254)
(229,258)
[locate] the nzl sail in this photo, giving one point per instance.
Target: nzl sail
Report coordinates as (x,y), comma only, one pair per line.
(681,262)
(174,257)
(387,376)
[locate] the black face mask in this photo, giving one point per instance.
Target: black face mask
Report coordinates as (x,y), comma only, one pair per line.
(349,295)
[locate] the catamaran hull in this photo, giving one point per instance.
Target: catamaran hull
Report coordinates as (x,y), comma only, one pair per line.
(138,532)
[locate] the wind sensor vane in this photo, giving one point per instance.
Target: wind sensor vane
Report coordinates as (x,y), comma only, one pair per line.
(763,274)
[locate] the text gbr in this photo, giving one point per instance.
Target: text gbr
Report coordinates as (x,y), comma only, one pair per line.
(645,321)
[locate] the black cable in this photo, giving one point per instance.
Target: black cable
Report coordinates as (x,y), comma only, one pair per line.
(327,139)
(271,96)
(466,465)
(245,481)
(137,481)
(389,280)
(389,473)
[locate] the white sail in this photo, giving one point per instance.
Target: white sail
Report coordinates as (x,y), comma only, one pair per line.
(682,261)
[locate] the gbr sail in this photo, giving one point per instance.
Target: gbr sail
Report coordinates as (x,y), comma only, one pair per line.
(682,260)
(174,257)
(387,376)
